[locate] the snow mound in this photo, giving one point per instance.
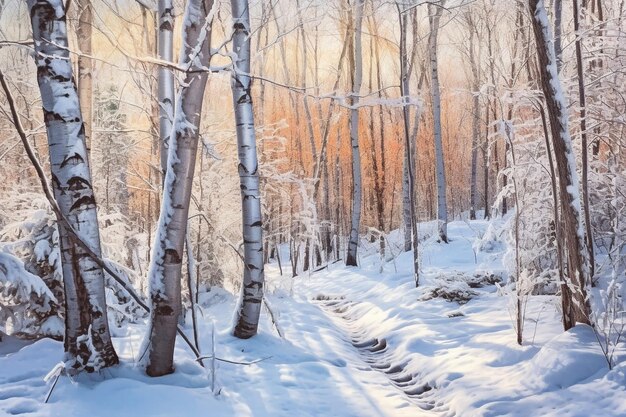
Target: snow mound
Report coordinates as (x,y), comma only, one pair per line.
(568,359)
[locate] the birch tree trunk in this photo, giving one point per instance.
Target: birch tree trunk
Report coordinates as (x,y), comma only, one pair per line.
(558,17)
(475,117)
(357,77)
(166,77)
(583,135)
(249,309)
(569,193)
(408,149)
(87,338)
(85,68)
(408,164)
(435,12)
(167,253)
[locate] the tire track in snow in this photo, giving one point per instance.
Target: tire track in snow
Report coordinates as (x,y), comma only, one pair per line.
(380,357)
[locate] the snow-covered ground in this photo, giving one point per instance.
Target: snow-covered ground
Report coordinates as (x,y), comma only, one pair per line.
(355,342)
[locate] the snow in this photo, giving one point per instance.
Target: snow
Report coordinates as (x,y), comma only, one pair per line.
(17,281)
(356,343)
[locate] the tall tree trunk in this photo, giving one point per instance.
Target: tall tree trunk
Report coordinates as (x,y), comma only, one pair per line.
(435,12)
(167,255)
(85,68)
(573,231)
(566,296)
(87,338)
(241,83)
(408,154)
(356,59)
(166,77)
(475,118)
(583,135)
(558,17)
(408,163)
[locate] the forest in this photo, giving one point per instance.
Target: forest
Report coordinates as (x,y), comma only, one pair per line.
(346,208)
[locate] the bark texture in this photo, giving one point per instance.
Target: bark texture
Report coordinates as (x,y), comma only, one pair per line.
(167,254)
(408,149)
(166,77)
(247,320)
(435,12)
(87,338)
(85,67)
(578,309)
(357,78)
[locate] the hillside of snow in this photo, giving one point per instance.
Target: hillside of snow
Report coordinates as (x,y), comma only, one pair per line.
(352,342)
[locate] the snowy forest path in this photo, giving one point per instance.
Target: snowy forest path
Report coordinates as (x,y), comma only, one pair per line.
(378,356)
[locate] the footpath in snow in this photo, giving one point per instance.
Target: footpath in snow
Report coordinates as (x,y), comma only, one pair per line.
(356,342)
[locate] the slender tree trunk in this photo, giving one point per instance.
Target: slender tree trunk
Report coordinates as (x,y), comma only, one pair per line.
(87,338)
(583,135)
(566,296)
(167,255)
(357,75)
(253,276)
(558,17)
(435,13)
(486,165)
(475,120)
(85,68)
(408,163)
(166,77)
(573,231)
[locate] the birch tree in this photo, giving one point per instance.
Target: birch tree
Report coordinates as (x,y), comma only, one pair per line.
(85,67)
(87,338)
(356,59)
(435,12)
(471,25)
(166,77)
(575,304)
(249,309)
(409,180)
(167,254)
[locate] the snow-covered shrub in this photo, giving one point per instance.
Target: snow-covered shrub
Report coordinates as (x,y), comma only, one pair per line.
(30,245)
(26,302)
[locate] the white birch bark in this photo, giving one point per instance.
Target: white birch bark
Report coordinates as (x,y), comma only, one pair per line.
(166,77)
(165,268)
(87,338)
(408,149)
(475,117)
(569,193)
(435,12)
(85,68)
(249,309)
(357,60)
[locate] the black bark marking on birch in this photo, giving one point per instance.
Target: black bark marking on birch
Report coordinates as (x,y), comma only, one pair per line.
(50,116)
(47,14)
(164,310)
(75,159)
(172,256)
(85,201)
(61,78)
(167,24)
(257,223)
(56,184)
(77,184)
